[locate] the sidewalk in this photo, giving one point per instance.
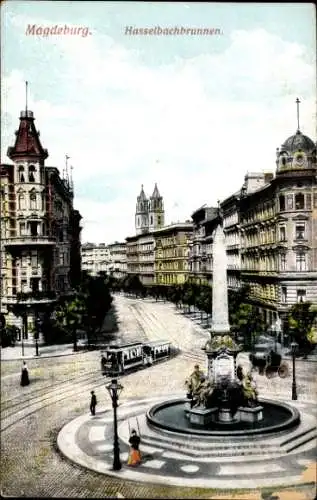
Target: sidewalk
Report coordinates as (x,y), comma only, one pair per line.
(49,351)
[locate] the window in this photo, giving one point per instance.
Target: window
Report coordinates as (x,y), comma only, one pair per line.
(151,220)
(22,228)
(300,231)
(32,201)
(21,174)
(21,202)
(308,201)
(31,173)
(35,284)
(159,220)
(289,202)
(283,262)
(34,261)
(282,202)
(33,226)
(282,233)
(284,294)
(299,201)
(301,295)
(24,286)
(300,261)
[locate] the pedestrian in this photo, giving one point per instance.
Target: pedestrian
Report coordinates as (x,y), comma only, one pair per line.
(25,375)
(93,403)
(134,454)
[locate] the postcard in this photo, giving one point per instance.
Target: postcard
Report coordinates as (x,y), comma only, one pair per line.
(158,250)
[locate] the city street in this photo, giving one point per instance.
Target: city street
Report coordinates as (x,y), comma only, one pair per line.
(32,416)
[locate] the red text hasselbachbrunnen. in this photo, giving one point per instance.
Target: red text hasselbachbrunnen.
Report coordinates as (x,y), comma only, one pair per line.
(175,30)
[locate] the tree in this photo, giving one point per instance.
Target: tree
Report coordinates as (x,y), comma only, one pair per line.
(246,321)
(97,300)
(69,315)
(300,324)
(9,335)
(204,300)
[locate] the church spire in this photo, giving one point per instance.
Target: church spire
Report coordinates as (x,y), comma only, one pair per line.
(142,196)
(156,193)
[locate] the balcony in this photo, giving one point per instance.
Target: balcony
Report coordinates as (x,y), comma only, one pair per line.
(29,240)
(30,298)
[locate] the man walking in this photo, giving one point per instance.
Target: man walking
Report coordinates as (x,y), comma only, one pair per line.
(93,403)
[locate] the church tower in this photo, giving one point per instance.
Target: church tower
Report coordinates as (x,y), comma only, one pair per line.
(156,210)
(142,213)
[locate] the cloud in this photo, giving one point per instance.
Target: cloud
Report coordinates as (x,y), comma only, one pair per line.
(208,120)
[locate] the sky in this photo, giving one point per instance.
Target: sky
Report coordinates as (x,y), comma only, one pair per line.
(193,113)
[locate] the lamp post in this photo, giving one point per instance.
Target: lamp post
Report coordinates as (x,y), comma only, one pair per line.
(294,346)
(114,390)
(36,335)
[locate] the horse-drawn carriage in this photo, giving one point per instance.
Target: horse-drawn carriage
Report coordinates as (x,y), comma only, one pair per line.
(267,357)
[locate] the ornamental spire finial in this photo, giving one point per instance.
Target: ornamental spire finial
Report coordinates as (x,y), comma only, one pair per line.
(297,104)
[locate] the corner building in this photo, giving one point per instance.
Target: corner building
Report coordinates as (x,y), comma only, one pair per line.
(171,253)
(278,225)
(40,231)
(270,228)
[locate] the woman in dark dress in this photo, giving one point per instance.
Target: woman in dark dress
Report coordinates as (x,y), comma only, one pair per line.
(134,454)
(25,375)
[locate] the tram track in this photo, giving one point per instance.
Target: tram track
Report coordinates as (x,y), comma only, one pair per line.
(5,403)
(18,412)
(147,323)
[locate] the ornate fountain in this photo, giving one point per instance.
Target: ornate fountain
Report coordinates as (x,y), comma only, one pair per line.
(224,401)
(225,394)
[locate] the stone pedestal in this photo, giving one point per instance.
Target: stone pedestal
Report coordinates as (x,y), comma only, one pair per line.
(225,415)
(202,416)
(249,414)
(187,409)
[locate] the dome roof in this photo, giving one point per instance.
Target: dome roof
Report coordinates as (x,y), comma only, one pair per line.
(298,141)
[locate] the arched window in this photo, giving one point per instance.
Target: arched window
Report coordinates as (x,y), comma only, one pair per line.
(31,173)
(282,202)
(33,201)
(21,174)
(21,201)
(299,201)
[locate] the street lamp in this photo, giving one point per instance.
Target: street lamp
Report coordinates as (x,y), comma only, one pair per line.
(114,390)
(37,334)
(294,347)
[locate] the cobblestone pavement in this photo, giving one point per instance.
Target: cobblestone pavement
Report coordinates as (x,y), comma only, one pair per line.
(257,462)
(32,416)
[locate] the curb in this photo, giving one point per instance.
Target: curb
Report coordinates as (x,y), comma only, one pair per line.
(44,356)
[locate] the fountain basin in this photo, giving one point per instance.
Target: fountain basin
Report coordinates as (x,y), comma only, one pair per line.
(170,416)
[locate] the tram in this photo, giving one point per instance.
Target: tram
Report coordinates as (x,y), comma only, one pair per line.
(117,359)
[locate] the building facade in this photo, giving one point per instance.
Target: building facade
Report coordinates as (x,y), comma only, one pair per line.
(270,228)
(118,258)
(278,232)
(141,257)
(199,255)
(40,231)
(95,258)
(172,253)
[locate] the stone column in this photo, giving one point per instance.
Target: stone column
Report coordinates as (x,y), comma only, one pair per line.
(220,316)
